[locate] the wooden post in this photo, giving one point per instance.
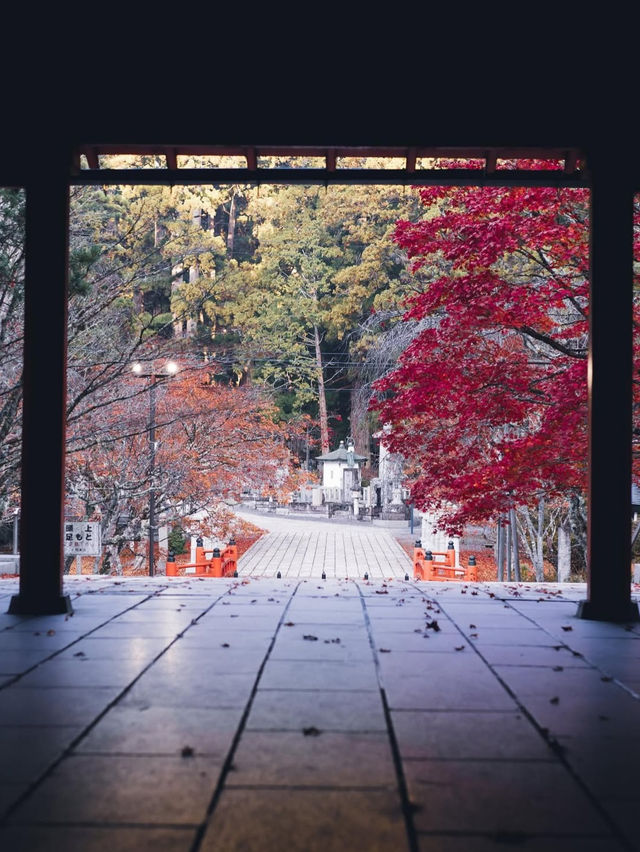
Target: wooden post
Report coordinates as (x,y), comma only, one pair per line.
(610,395)
(44,388)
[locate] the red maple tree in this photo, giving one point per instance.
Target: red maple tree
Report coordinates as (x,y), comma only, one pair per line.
(489,401)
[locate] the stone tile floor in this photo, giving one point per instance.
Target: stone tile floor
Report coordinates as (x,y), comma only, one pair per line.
(301,714)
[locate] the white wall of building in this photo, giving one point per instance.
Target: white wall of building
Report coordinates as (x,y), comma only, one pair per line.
(332,473)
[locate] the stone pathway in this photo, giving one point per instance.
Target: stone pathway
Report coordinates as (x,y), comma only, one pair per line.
(338,554)
(301,548)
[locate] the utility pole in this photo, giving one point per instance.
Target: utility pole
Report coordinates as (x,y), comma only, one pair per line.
(152,464)
(307,452)
(171,368)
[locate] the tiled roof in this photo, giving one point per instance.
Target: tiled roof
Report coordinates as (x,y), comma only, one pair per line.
(340,455)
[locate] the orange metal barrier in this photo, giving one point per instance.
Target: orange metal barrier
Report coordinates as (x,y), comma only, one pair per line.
(425,567)
(201,564)
(218,564)
(229,558)
(419,567)
(172,568)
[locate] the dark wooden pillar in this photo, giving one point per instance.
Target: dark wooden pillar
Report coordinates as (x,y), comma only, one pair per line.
(44,387)
(610,396)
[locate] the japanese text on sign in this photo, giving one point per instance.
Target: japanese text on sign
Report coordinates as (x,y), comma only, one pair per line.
(82,538)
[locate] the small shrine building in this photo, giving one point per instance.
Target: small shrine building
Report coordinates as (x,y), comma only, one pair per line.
(341,472)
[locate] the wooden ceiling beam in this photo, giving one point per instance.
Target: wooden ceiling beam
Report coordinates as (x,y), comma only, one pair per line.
(251,155)
(307,177)
(491,160)
(571,162)
(171,157)
(93,161)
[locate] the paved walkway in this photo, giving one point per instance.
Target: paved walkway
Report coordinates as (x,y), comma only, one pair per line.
(297,547)
(255,715)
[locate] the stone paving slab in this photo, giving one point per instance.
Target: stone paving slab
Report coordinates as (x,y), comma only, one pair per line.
(326,759)
(295,710)
(116,789)
(28,751)
(160,731)
(327,715)
(490,796)
(468,735)
(302,820)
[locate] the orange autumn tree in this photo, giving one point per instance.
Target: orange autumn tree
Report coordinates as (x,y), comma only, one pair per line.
(212,442)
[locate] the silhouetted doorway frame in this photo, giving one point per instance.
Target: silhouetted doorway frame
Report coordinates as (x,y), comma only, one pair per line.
(47,184)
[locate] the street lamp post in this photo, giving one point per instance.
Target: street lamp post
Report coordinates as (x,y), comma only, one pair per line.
(152,464)
(171,368)
(16,521)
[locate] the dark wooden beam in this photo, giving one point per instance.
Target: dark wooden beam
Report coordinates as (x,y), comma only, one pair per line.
(91,154)
(172,158)
(251,157)
(571,162)
(610,396)
(424,177)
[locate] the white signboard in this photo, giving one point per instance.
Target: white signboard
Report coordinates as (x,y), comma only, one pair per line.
(82,538)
